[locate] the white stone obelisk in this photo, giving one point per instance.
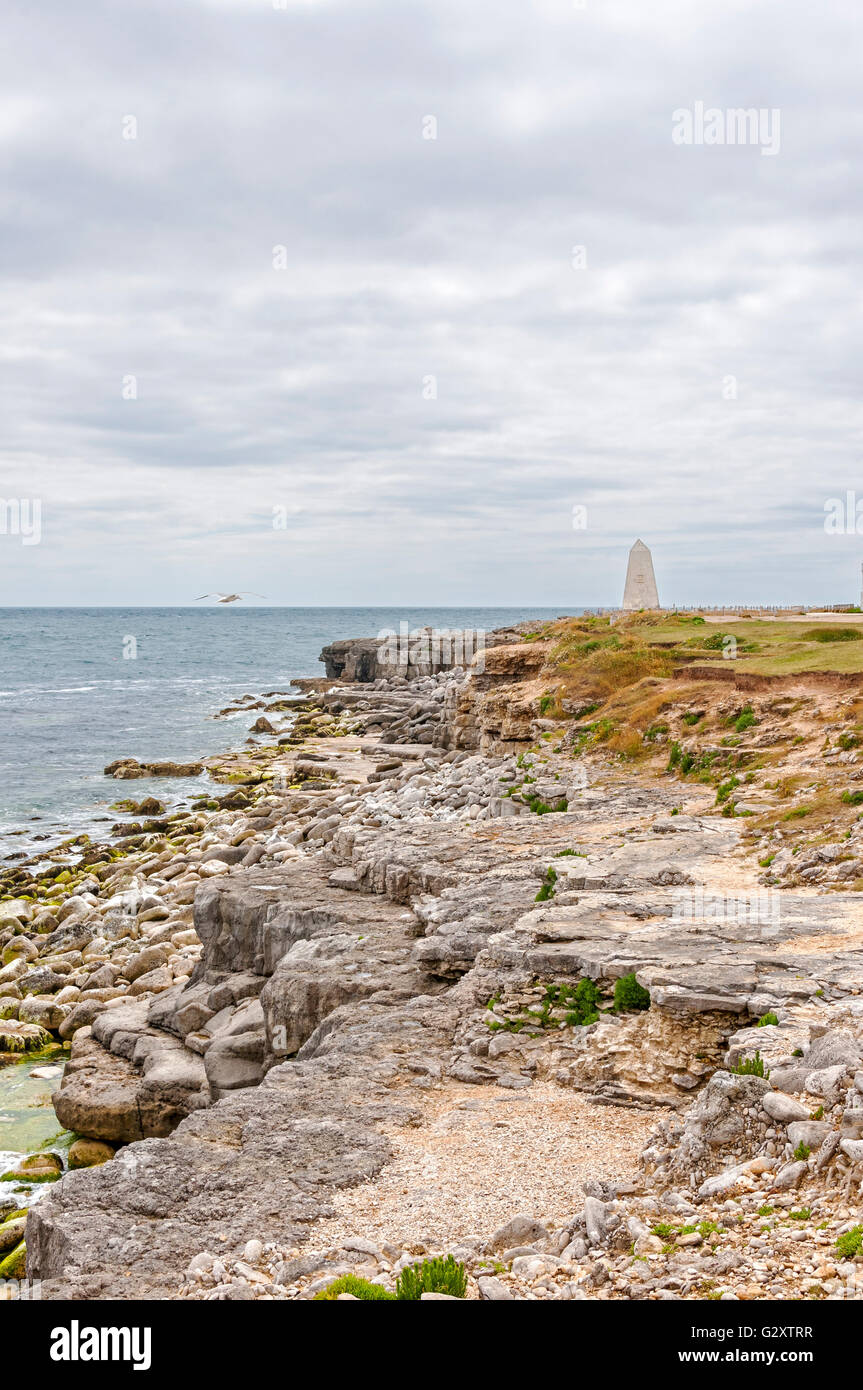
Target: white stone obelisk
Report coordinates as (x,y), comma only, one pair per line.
(640,589)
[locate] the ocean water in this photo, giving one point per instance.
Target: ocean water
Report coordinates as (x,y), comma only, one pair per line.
(80,687)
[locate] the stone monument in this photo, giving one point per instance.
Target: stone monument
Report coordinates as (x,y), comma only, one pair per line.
(640,589)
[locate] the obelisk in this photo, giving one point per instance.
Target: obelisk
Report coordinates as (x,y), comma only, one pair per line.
(640,589)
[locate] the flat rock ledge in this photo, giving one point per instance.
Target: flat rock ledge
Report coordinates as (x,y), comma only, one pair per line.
(385,936)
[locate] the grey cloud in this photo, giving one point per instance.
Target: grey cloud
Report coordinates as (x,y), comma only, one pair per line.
(409,259)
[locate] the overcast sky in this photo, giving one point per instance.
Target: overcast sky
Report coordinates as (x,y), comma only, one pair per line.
(426,378)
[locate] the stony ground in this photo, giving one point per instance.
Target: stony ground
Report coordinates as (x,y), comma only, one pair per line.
(354,977)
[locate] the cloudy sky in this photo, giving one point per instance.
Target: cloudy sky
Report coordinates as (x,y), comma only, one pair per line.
(293,300)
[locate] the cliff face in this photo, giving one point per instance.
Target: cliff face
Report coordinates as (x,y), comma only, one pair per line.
(495,711)
(409,655)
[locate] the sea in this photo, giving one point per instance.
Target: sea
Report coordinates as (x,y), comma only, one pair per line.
(80,687)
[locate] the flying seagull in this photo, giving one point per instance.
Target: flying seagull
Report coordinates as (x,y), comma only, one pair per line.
(230,598)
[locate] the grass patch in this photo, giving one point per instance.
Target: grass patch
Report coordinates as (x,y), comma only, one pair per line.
(833,634)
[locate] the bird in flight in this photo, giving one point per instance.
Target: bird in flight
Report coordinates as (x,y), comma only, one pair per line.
(229,598)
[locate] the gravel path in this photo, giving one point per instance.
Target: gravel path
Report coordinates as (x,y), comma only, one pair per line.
(485,1154)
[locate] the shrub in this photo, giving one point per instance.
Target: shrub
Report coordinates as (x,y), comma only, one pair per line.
(852,798)
(802,1152)
(766,1019)
(585,999)
(360,1288)
(629,997)
(851,1243)
(745,719)
(655,731)
(438,1275)
(542,808)
(724,790)
(751,1066)
(547,890)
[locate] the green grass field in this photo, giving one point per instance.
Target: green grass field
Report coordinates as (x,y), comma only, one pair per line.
(763,647)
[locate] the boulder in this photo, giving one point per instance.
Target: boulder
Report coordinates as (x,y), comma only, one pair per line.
(811,1133)
(38,1167)
(88,1153)
(782,1108)
(233,1063)
(521,1230)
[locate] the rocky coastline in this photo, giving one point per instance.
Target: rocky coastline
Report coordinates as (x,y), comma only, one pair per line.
(415,939)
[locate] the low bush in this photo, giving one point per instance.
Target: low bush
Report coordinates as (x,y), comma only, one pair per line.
(360,1288)
(851,1243)
(585,1000)
(751,1066)
(438,1275)
(629,997)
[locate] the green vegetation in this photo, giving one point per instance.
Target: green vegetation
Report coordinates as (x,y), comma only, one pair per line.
(744,720)
(547,890)
(585,999)
(833,634)
(852,798)
(766,1020)
(764,646)
(656,731)
(802,1152)
(360,1288)
(851,1244)
(751,1066)
(724,790)
(438,1275)
(629,997)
